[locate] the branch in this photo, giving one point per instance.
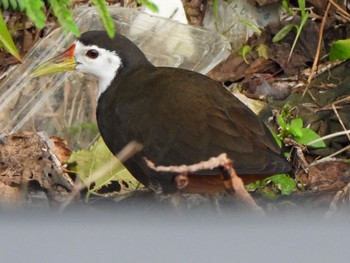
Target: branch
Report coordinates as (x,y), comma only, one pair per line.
(234,182)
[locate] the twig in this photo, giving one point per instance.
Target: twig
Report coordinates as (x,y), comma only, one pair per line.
(339,196)
(299,148)
(327,108)
(220,161)
(210,164)
(321,68)
(240,190)
(337,152)
(340,120)
(329,136)
(129,150)
(345,129)
(346,14)
(317,55)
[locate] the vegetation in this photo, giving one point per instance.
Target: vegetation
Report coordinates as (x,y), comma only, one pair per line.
(285,30)
(6,40)
(271,187)
(293,128)
(34,9)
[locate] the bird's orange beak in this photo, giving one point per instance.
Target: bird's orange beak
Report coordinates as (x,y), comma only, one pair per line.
(62,62)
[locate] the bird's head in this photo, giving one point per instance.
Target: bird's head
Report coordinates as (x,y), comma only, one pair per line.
(97,54)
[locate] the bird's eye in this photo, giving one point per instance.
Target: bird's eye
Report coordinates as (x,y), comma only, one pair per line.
(92,53)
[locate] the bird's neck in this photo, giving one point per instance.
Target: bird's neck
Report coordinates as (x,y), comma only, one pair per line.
(105,82)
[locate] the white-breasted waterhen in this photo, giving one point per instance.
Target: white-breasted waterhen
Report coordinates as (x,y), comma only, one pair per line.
(179,116)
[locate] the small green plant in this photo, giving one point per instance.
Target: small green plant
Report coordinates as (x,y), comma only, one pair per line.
(286,29)
(244,51)
(279,184)
(288,128)
(261,50)
(294,128)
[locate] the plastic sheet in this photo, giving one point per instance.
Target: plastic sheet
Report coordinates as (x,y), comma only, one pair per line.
(64,104)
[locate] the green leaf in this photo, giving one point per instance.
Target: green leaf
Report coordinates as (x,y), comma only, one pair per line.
(5,4)
(105,16)
(90,160)
(64,15)
(285,5)
(301,4)
(14,4)
(150,5)
(308,136)
(244,51)
(283,32)
(287,155)
(283,182)
(34,11)
(281,122)
(253,186)
(340,50)
(297,133)
(278,140)
(304,17)
(295,127)
(272,185)
(251,25)
(268,192)
(6,40)
(296,123)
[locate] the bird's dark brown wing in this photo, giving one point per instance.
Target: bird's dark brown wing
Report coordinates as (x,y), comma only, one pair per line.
(182,117)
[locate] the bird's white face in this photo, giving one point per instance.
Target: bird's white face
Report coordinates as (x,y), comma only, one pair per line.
(102,63)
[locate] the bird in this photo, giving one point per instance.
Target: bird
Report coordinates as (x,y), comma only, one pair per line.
(180,117)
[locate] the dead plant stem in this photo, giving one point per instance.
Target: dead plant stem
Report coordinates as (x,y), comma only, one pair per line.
(317,55)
